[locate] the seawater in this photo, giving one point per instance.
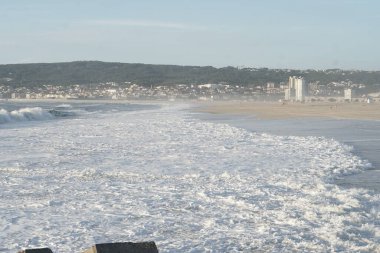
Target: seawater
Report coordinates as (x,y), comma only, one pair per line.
(121,172)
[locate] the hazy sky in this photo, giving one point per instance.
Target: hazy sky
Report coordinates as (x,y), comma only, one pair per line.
(257,33)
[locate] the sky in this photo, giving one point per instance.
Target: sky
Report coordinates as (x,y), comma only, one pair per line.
(298,34)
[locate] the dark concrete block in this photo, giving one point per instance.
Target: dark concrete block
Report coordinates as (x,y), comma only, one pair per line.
(42,250)
(124,247)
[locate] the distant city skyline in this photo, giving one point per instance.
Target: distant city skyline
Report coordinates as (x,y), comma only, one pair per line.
(294,34)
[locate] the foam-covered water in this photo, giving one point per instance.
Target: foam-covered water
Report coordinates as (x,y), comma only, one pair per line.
(189,185)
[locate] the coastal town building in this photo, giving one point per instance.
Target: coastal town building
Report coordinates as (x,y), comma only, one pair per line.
(300,87)
(296,90)
(348,94)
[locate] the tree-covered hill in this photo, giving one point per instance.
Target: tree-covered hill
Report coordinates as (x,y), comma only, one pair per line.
(84,72)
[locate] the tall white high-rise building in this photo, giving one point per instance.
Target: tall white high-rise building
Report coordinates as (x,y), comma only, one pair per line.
(296,89)
(292,82)
(300,89)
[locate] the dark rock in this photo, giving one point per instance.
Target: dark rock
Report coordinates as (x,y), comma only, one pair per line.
(42,250)
(124,247)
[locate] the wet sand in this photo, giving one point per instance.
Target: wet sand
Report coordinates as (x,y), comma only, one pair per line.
(276,110)
(357,125)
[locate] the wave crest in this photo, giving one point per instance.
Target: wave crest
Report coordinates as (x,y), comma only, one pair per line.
(24,114)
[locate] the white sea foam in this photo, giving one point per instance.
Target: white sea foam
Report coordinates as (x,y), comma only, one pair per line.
(64,106)
(190,185)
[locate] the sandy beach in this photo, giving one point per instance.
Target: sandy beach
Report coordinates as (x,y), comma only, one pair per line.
(277,110)
(354,124)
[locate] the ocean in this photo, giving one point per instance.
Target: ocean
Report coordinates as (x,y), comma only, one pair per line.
(78,173)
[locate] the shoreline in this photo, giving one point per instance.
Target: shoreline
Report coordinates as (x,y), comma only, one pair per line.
(277,110)
(362,133)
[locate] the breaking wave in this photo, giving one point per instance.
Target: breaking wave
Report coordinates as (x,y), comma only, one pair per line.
(37,113)
(24,114)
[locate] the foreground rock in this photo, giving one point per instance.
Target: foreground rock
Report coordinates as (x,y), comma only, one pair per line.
(119,247)
(42,250)
(124,247)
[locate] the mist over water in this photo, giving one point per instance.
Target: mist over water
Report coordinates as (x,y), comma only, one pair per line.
(134,172)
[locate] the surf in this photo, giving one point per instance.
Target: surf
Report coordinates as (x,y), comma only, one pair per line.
(24,114)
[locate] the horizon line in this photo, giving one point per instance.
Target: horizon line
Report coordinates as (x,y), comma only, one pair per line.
(183,65)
